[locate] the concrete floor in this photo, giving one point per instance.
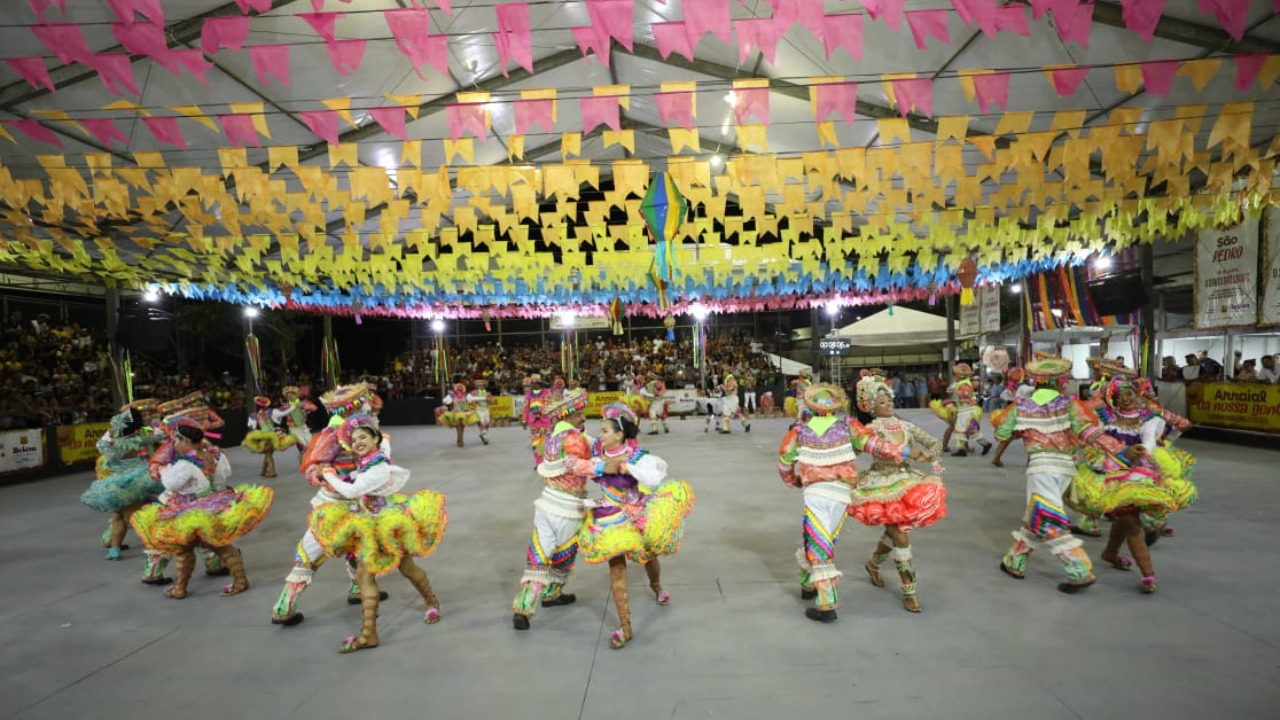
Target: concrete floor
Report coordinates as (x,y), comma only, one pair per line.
(82,638)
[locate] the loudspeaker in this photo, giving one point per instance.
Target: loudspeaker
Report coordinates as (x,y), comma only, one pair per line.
(1118,294)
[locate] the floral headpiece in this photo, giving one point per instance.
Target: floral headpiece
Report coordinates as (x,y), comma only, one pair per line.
(615,410)
(963,370)
(1115,385)
(147,406)
(262,401)
(565,407)
(186,402)
(353,423)
(348,399)
(823,399)
(869,388)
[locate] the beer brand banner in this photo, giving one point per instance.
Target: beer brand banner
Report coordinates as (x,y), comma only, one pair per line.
(1269,303)
(1226,289)
(79,443)
(1240,406)
(599,399)
(21,450)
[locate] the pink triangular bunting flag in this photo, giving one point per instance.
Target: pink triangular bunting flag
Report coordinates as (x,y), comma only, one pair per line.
(228,32)
(1232,15)
(147,39)
(271,60)
(1066,80)
(125,9)
(914,93)
(514,38)
(194,62)
(323,24)
(39,6)
(706,16)
(837,97)
(34,130)
(33,70)
(1142,16)
(540,111)
(116,71)
(1074,22)
(324,123)
(1013,19)
(104,130)
(469,116)
(927,24)
(391,119)
(166,130)
(889,10)
(240,130)
(346,54)
(677,106)
(1247,68)
(615,19)
(602,110)
(843,31)
(1157,76)
(64,40)
(807,13)
(991,89)
(591,40)
(751,101)
(672,37)
(260,6)
(757,33)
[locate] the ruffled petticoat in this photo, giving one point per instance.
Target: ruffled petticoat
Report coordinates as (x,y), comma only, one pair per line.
(382,531)
(639,404)
(1155,493)
(260,441)
(456,418)
(644,527)
(898,497)
(215,520)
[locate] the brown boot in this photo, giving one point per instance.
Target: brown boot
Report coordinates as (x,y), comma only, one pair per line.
(232,558)
(268,465)
(461,430)
(418,578)
(368,637)
(618,584)
(186,561)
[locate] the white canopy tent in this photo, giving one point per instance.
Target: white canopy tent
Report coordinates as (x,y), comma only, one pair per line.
(897,327)
(787,366)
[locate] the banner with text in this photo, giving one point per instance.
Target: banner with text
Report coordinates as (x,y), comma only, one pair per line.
(989,301)
(21,450)
(79,443)
(1226,274)
(1269,304)
(970,319)
(1240,406)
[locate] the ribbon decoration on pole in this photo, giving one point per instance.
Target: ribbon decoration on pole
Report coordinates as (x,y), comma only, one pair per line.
(568,357)
(699,343)
(663,209)
(122,374)
(253,351)
(615,315)
(441,361)
(330,366)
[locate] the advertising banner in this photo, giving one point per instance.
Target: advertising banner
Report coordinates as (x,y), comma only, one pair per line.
(599,399)
(1240,406)
(79,443)
(970,319)
(989,301)
(1269,304)
(21,449)
(1226,274)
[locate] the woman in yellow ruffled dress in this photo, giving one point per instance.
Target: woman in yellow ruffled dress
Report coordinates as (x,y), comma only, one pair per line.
(1142,479)
(382,527)
(641,516)
(188,515)
(459,414)
(265,436)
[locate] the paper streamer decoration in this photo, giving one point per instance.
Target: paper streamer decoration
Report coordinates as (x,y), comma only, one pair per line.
(253,351)
(663,209)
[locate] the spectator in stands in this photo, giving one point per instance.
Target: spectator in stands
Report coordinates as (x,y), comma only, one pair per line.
(1191,371)
(1169,370)
(1268,374)
(1248,371)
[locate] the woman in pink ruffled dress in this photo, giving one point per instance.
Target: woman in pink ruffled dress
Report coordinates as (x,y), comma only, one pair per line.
(892,493)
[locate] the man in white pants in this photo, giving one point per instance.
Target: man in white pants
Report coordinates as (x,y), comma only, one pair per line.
(479,399)
(653,390)
(565,468)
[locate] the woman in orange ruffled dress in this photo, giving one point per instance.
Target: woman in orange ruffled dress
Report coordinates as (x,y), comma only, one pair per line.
(892,493)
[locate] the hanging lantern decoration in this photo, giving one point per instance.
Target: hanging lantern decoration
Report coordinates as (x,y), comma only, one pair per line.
(663,209)
(968,275)
(615,315)
(254,352)
(670,324)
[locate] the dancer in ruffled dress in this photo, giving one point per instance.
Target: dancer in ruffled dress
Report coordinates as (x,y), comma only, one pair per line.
(124,481)
(1174,426)
(1053,426)
(1017,385)
(266,436)
(196,510)
(557,513)
(479,401)
(294,415)
(730,407)
(460,413)
(793,403)
(329,451)
(383,528)
(1138,477)
(968,413)
(892,493)
(819,455)
(641,516)
(653,394)
(634,397)
(538,425)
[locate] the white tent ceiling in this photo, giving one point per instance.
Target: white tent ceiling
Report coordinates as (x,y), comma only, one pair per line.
(142,235)
(897,327)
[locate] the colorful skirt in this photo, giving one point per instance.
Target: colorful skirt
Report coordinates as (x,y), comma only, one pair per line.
(1154,494)
(115,491)
(997,416)
(652,528)
(945,412)
(382,531)
(906,499)
(790,406)
(262,441)
(639,404)
(215,520)
(456,418)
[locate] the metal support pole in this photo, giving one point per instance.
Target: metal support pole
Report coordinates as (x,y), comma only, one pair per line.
(813,337)
(113,329)
(950,305)
(1147,321)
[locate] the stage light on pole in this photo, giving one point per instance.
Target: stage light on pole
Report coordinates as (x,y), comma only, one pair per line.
(1102,263)
(251,312)
(1015,288)
(567,320)
(150,295)
(437,326)
(699,312)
